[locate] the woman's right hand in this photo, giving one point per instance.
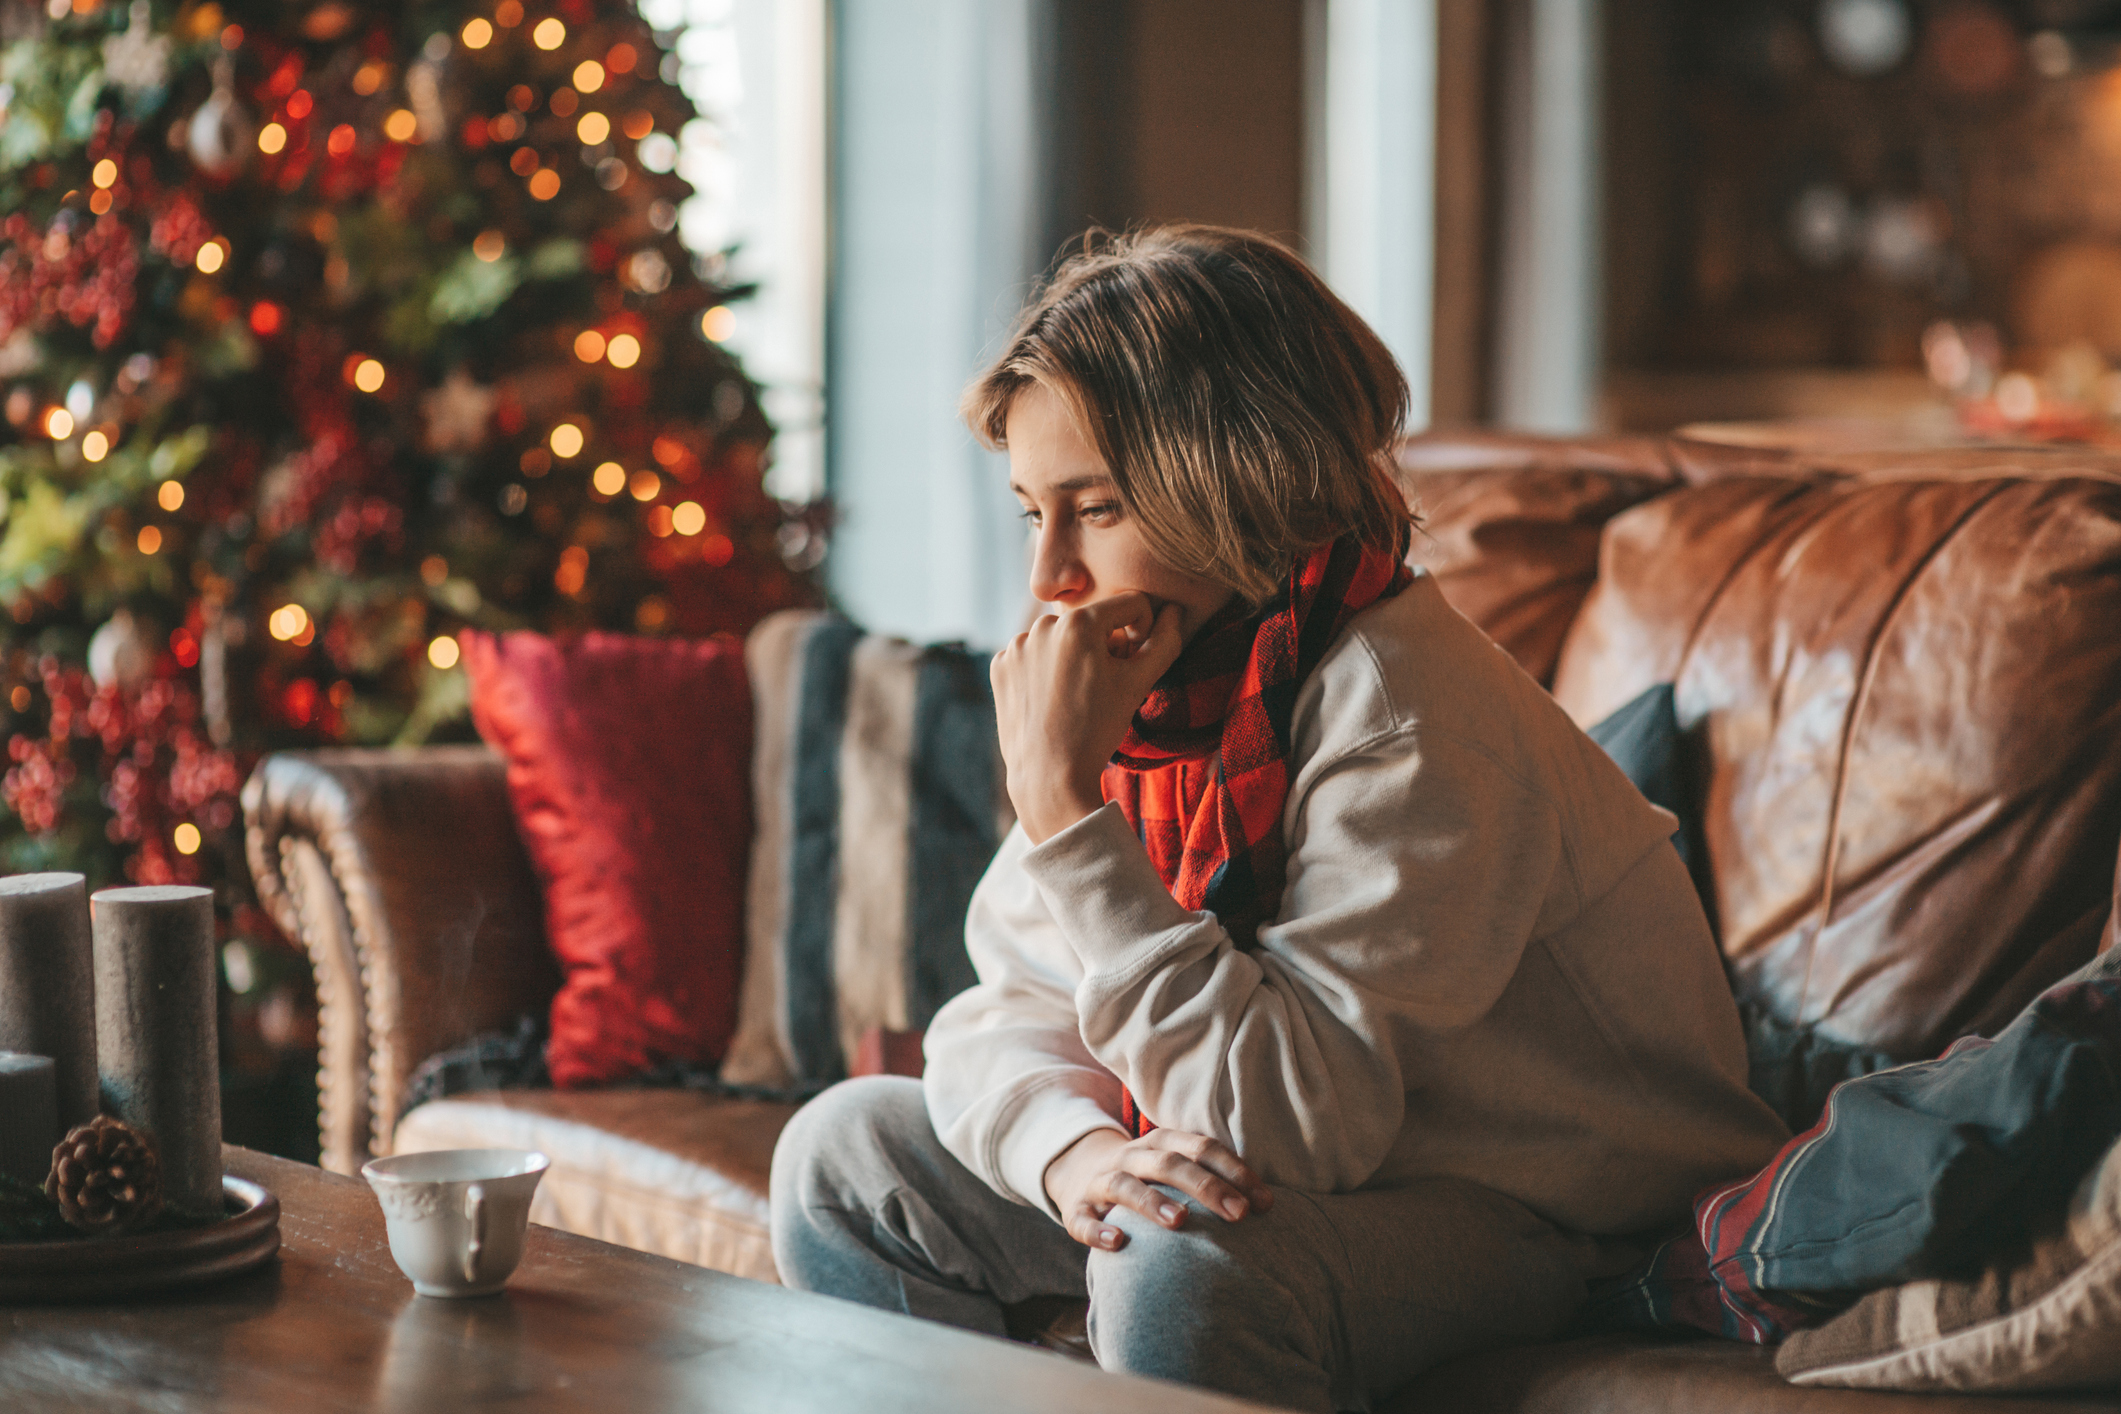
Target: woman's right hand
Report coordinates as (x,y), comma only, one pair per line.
(1105,1169)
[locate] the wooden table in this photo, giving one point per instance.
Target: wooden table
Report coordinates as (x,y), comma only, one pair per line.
(333,1325)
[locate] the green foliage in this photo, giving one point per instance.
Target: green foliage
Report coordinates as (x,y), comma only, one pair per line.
(472,289)
(26,1215)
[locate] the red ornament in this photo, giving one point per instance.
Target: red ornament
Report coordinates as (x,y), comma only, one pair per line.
(299,703)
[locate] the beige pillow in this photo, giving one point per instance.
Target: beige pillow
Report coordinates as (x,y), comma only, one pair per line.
(2050,1320)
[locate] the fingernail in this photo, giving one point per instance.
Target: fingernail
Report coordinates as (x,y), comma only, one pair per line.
(1110,1237)
(1170,1213)
(1235,1208)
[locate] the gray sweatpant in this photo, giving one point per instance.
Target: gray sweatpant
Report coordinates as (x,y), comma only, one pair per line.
(1326,1302)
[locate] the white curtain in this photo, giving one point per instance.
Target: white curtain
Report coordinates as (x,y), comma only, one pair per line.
(1371,183)
(936,196)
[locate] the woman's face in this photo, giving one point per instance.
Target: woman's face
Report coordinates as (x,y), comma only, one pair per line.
(1088,547)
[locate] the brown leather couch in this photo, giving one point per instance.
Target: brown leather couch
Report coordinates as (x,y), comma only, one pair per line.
(1906,667)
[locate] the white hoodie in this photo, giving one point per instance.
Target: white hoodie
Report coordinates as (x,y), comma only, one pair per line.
(1489,963)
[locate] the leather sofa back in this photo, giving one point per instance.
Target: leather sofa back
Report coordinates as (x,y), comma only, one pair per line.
(1511,525)
(1908,687)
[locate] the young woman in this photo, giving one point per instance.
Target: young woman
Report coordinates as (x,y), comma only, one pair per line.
(1341,1006)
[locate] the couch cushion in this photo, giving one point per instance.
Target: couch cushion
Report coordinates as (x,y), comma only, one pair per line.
(1912,693)
(628,766)
(1511,525)
(1657,1375)
(676,1172)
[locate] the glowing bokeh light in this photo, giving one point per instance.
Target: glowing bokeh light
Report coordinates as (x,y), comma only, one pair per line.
(288,622)
(573,572)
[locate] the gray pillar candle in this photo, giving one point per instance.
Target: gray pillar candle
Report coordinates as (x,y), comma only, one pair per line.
(47,988)
(156,1037)
(29,1116)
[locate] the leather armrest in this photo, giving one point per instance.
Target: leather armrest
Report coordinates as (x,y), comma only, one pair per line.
(402,874)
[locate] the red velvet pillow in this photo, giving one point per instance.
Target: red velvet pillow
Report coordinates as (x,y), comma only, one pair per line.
(629,765)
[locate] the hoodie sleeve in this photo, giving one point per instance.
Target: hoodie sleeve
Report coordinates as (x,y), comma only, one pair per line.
(1419,869)
(1008,1080)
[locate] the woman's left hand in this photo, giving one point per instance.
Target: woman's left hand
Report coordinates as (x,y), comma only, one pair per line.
(1065,690)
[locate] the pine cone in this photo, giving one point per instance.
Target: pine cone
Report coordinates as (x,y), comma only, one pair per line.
(106,1176)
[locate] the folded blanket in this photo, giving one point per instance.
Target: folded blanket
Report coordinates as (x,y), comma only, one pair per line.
(1922,1171)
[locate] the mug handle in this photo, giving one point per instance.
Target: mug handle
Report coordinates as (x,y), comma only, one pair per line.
(475,1210)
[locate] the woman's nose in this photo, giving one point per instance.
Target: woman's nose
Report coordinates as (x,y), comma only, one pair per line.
(1057,572)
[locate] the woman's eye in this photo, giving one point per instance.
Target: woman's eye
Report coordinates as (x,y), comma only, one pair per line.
(1027,513)
(1101,510)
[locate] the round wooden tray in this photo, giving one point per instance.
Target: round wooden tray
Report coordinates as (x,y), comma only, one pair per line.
(89,1268)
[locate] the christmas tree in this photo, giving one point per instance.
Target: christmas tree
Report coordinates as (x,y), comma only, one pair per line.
(326,330)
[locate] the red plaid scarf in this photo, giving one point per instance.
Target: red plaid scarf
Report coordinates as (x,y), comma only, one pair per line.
(1203,772)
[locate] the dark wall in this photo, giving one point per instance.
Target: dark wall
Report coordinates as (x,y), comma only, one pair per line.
(1178,110)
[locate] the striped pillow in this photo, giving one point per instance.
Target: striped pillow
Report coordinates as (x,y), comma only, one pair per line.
(1924,1170)
(2049,1321)
(878,796)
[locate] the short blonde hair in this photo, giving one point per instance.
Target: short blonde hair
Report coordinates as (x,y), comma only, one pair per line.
(1246,414)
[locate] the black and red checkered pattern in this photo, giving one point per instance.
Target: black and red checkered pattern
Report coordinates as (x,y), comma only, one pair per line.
(1203,772)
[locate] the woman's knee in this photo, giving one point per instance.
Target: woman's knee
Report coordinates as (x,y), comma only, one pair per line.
(832,1165)
(839,1149)
(1176,1304)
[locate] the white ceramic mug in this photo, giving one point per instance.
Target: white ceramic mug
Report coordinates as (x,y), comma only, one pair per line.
(456,1216)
